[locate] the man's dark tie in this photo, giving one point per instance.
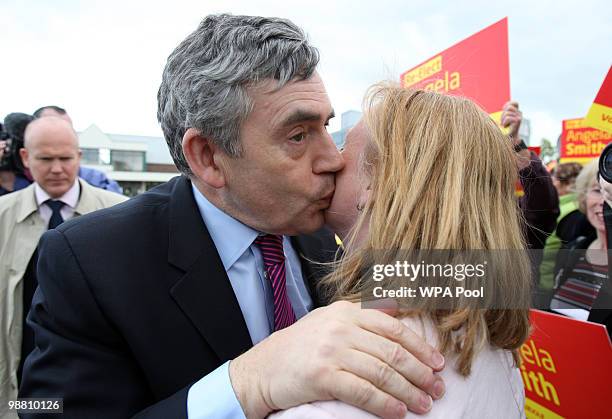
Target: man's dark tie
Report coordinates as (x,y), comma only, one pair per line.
(56,216)
(271,248)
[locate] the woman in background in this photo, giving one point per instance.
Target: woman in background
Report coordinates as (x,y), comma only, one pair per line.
(581,274)
(428,171)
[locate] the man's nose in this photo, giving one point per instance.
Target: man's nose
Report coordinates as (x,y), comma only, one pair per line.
(329,158)
(56,166)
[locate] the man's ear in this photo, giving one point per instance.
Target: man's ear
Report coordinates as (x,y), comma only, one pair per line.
(202,156)
(23,153)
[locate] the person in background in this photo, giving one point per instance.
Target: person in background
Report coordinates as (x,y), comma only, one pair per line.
(539,203)
(94,177)
(52,155)
(581,271)
(431,171)
(13,176)
(564,178)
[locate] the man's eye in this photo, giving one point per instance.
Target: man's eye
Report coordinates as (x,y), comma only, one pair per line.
(298,138)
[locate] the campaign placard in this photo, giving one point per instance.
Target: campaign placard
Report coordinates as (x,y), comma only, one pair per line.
(600,114)
(581,143)
(477,67)
(566,368)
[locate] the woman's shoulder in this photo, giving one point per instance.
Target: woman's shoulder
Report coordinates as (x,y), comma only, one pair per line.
(494,382)
(331,409)
(493,389)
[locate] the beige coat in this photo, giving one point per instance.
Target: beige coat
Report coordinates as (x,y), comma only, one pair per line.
(20,230)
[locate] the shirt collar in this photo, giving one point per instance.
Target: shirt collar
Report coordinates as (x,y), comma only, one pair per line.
(231,237)
(70,198)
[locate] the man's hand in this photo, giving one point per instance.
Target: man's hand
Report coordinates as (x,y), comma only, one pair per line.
(511,118)
(360,356)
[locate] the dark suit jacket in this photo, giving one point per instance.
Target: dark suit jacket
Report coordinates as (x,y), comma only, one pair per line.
(134,306)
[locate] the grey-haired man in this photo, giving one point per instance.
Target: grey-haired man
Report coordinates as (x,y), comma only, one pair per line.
(200,271)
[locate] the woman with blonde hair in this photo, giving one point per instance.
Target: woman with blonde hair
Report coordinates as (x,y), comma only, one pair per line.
(425,172)
(581,272)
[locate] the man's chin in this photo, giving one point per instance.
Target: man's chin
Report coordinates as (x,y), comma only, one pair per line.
(56,191)
(308,226)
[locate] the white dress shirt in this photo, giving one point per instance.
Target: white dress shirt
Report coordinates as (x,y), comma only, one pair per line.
(70,199)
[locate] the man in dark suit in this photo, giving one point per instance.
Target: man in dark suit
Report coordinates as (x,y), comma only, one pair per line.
(185,301)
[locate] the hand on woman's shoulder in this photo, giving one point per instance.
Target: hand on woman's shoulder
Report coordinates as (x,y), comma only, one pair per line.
(493,389)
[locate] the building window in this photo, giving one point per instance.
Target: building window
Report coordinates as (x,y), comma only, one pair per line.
(128,161)
(90,156)
(105,156)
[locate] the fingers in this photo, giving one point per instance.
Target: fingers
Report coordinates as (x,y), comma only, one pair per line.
(393,329)
(392,369)
(359,392)
(413,372)
(511,117)
(511,105)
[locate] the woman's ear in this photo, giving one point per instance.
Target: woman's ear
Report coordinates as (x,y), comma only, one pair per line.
(364,197)
(202,155)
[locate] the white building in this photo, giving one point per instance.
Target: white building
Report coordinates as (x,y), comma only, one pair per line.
(137,162)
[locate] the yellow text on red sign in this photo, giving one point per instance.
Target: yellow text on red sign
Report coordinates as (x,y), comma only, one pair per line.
(580,142)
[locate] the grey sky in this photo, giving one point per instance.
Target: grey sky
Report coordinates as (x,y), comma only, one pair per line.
(103,60)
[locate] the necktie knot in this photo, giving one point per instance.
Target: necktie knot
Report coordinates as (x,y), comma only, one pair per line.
(271,248)
(55,205)
(56,216)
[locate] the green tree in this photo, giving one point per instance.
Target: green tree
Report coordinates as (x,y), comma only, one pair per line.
(548,151)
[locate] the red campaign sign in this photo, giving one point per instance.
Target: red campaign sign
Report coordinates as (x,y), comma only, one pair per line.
(581,143)
(566,368)
(477,67)
(600,114)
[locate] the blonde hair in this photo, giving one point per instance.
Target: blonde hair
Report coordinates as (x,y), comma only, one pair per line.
(442,176)
(583,182)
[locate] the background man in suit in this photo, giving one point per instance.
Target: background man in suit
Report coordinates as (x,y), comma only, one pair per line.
(52,154)
(155,297)
(94,177)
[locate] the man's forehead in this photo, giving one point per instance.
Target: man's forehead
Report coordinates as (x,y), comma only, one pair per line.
(268,92)
(297,101)
(50,135)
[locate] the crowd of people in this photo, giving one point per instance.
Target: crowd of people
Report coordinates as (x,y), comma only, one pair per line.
(225,293)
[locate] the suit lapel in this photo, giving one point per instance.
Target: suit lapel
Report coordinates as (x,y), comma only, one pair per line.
(204,292)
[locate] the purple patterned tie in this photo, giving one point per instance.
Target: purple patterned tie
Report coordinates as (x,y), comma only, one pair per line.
(271,248)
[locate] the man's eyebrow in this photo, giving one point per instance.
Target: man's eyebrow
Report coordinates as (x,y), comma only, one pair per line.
(301,115)
(331,115)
